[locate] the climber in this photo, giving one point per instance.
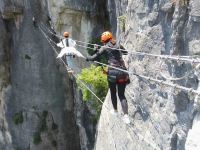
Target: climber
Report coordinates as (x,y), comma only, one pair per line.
(68,49)
(115,77)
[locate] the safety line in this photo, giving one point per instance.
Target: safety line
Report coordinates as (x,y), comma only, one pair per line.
(149,78)
(164,76)
(168,78)
(171,57)
(154,80)
(177,58)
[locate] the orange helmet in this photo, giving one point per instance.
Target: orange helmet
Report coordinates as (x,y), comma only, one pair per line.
(66,34)
(106,36)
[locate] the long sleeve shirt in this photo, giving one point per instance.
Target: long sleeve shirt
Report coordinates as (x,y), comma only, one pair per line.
(114,56)
(66,42)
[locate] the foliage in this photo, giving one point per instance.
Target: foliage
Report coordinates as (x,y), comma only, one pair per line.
(41,128)
(94,77)
(180,2)
(37,138)
(97,82)
(18,118)
(122,22)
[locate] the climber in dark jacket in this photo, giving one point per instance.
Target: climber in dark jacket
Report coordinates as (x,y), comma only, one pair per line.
(115,78)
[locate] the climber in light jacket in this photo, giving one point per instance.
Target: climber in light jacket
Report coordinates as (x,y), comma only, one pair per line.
(68,49)
(116,79)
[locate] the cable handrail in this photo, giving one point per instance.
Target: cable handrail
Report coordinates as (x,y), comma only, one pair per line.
(171,57)
(154,80)
(164,76)
(148,78)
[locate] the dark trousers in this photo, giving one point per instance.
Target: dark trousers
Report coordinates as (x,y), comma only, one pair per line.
(121,90)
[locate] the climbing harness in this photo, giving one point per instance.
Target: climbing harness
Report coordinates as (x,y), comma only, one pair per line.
(154,80)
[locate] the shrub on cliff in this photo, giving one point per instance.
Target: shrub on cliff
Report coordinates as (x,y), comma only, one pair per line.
(94,78)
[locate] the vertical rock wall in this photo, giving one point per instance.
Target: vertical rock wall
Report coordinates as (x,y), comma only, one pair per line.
(160,116)
(36,93)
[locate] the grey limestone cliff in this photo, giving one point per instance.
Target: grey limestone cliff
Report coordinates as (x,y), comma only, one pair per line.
(37,104)
(160,116)
(41,106)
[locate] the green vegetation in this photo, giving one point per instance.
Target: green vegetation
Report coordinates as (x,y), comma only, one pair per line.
(122,22)
(97,81)
(37,138)
(94,77)
(41,128)
(18,118)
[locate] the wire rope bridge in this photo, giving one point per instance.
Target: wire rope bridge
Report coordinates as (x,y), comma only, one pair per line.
(195,61)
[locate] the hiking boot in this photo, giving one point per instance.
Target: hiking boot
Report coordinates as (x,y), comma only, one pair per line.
(114,112)
(126,119)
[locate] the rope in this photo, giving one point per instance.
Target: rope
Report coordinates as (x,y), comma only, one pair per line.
(142,76)
(171,57)
(154,80)
(164,76)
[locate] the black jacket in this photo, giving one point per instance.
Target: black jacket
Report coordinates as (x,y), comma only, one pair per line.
(113,56)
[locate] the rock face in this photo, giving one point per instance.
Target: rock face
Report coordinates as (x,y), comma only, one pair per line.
(37,104)
(160,116)
(40,106)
